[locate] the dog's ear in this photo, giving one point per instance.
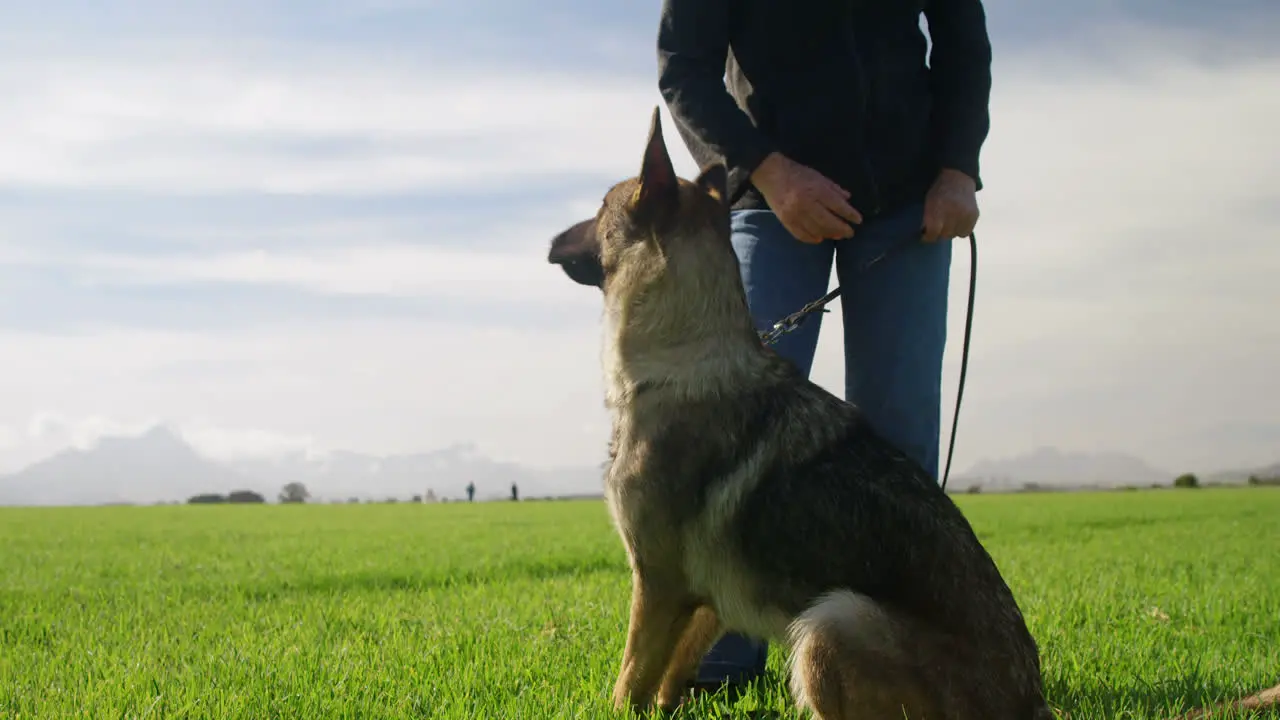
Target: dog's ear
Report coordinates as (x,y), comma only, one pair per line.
(658,190)
(714,181)
(577,252)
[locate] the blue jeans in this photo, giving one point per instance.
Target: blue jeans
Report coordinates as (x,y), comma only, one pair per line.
(895,327)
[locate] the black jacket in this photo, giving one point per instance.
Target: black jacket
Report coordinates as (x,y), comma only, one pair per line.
(839,85)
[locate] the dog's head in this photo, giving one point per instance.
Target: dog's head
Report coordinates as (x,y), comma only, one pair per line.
(652,228)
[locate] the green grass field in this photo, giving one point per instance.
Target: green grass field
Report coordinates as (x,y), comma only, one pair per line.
(1143,602)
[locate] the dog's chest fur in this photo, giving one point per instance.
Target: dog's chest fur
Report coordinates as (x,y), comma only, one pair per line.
(675,495)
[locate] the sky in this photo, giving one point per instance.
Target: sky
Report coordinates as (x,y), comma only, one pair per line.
(286,225)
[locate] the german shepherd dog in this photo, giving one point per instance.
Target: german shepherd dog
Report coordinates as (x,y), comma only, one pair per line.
(751,500)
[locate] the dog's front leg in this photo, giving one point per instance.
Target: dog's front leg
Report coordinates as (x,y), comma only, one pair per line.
(660,611)
(702,631)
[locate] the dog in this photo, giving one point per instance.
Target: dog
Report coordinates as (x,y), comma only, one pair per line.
(751,500)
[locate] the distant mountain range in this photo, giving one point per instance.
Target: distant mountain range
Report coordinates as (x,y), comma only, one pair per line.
(151,467)
(159,466)
(1239,476)
(1051,467)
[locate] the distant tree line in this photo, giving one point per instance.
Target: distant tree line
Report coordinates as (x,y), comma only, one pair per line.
(1189,480)
(294,492)
(238,496)
(291,493)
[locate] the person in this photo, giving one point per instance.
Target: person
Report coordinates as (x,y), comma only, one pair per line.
(844,134)
(471,492)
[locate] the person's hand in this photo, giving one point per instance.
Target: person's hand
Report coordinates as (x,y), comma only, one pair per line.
(950,207)
(810,206)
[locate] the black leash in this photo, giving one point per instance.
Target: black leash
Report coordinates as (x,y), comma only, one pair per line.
(795,319)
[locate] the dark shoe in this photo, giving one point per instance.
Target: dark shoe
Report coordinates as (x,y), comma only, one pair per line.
(731,664)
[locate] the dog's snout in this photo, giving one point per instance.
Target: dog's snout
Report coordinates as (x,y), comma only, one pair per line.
(584,272)
(577,252)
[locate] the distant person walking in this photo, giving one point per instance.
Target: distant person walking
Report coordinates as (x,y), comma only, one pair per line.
(471,492)
(515,492)
(840,142)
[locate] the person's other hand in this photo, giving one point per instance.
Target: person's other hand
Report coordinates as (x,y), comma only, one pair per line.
(950,207)
(809,205)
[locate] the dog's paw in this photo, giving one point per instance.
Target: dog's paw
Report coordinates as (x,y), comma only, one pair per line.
(671,702)
(622,701)
(639,707)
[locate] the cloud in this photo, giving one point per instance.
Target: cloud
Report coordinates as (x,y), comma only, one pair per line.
(24,440)
(47,432)
(222,443)
(335,125)
(82,432)
(396,270)
(1108,30)
(496,275)
(390,386)
(1131,192)
(402,270)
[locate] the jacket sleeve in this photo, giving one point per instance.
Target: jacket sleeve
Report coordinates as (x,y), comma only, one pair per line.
(693,46)
(960,72)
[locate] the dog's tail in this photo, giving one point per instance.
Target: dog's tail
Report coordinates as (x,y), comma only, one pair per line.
(852,658)
(849,659)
